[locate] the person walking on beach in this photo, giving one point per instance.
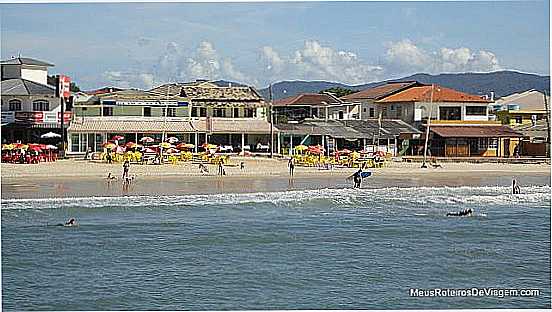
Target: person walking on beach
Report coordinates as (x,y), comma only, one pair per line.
(126,167)
(357,178)
(515,187)
(291,166)
(220,168)
(108,157)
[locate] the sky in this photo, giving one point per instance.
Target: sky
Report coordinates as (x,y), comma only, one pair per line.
(142,45)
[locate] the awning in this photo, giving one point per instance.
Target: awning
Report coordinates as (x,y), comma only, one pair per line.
(475,131)
(129,126)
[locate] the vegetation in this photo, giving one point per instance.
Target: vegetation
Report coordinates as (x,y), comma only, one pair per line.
(338,91)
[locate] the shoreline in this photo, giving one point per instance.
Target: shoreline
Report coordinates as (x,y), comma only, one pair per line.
(79,178)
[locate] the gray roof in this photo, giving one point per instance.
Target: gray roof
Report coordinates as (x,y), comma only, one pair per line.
(349,129)
(25,61)
(18,86)
(539,130)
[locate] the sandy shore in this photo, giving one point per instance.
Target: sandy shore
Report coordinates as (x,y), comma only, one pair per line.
(76,177)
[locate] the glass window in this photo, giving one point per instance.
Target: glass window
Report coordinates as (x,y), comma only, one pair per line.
(171,112)
(219,112)
(372,113)
(147,112)
(194,112)
(108,111)
(236,112)
(476,110)
(99,142)
(203,112)
(41,105)
(340,113)
(449,112)
(83,142)
(249,112)
(493,143)
(518,119)
(14,105)
(75,142)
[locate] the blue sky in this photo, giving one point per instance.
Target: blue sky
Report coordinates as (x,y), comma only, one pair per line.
(145,44)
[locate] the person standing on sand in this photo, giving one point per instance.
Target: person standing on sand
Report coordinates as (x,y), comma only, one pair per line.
(357,178)
(291,166)
(220,168)
(126,167)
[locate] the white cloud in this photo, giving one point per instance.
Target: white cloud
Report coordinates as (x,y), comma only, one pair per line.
(129,79)
(317,62)
(406,57)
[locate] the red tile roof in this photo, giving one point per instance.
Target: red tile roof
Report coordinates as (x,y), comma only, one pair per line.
(307,99)
(474,131)
(440,94)
(380,91)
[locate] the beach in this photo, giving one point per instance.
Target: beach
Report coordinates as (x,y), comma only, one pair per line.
(77,177)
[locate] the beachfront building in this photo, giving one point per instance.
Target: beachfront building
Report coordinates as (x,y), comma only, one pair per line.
(196,112)
(323,119)
(460,123)
(30,106)
(527,113)
(324,106)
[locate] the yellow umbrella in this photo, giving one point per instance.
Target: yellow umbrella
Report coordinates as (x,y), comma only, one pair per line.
(301,147)
(8,147)
(189,145)
(165,145)
(109,145)
(25,147)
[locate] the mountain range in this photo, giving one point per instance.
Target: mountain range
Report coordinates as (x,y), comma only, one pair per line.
(502,83)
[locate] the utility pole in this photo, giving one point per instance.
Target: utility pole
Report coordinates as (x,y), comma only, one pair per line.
(271,122)
(424,165)
(547,116)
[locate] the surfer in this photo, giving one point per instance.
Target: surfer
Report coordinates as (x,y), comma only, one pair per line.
(515,187)
(357,178)
(462,213)
(71,222)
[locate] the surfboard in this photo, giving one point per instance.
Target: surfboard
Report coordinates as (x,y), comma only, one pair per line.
(365,174)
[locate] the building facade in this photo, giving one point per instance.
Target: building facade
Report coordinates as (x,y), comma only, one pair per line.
(30,106)
(196,112)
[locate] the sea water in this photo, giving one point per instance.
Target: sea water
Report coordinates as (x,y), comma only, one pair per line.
(309,249)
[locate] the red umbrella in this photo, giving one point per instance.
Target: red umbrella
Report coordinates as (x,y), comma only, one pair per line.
(314,150)
(344,151)
(35,148)
(150,150)
(117,138)
(130,144)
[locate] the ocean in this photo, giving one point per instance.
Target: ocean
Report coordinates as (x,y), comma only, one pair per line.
(303,249)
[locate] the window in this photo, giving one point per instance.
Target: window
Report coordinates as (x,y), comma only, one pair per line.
(171,112)
(147,112)
(236,112)
(372,113)
(249,112)
(84,109)
(476,110)
(384,112)
(449,112)
(194,112)
(203,112)
(219,112)
(107,111)
(41,105)
(364,110)
(518,119)
(14,105)
(493,143)
(75,142)
(340,114)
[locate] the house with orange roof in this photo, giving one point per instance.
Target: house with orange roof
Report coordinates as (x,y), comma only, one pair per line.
(459,126)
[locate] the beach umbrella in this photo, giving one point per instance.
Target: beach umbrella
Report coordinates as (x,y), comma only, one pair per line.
(51,147)
(8,147)
(165,145)
(147,139)
(150,150)
(119,149)
(117,138)
(314,150)
(301,147)
(35,148)
(173,140)
(171,151)
(185,146)
(131,145)
(50,135)
(109,145)
(209,146)
(344,151)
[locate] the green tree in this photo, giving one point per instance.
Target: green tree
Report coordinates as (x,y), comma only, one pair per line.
(73,87)
(338,91)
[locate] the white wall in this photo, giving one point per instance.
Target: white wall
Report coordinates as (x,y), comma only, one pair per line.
(39,75)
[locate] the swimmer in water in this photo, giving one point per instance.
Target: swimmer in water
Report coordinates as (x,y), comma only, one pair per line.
(71,222)
(463,213)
